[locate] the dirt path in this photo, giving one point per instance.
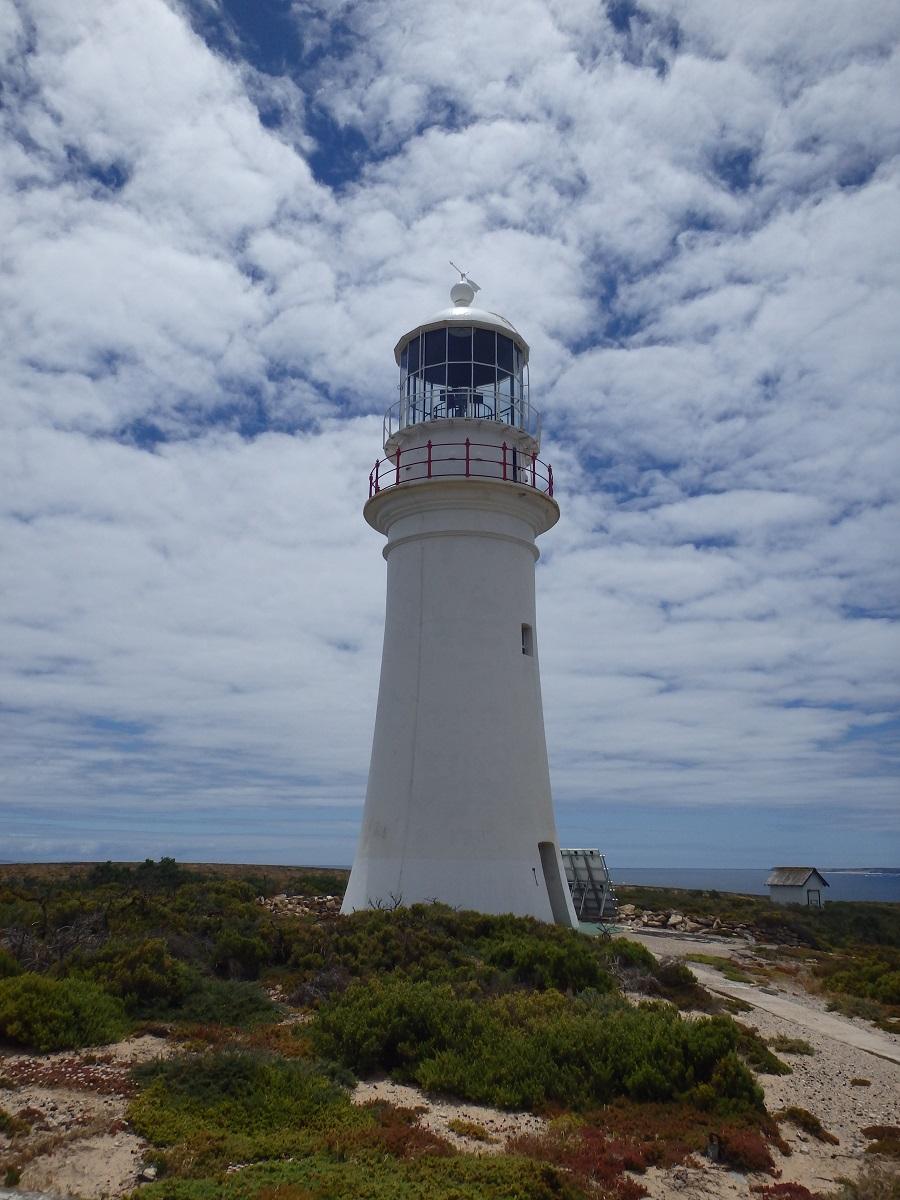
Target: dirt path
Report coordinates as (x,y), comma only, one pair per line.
(807,1013)
(839,1029)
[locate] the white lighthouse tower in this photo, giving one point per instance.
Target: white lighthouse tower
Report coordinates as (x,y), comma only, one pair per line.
(458,806)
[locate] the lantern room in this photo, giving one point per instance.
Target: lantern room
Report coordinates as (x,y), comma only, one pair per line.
(465,363)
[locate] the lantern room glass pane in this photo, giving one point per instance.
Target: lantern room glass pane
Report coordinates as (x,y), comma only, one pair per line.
(459,375)
(504,353)
(459,344)
(435,347)
(436,374)
(485,346)
(483,376)
(505,404)
(412,351)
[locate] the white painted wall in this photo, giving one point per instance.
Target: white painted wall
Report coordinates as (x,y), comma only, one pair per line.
(795,895)
(459,799)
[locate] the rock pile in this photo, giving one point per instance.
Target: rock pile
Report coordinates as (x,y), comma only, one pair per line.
(670,919)
(301,906)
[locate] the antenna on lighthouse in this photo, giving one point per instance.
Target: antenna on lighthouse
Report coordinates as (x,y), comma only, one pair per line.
(463,293)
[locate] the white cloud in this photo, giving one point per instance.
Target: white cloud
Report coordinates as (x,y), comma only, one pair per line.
(692,217)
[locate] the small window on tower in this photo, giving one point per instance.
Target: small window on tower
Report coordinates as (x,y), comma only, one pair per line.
(527,640)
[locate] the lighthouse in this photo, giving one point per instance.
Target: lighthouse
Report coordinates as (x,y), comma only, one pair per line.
(458,805)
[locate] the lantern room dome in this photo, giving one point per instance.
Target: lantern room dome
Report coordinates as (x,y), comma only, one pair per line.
(465,314)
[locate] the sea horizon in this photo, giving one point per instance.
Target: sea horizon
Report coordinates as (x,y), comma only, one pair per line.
(845,883)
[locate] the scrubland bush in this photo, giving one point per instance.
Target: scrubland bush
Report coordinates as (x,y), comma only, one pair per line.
(791,1045)
(296,1120)
(321,1176)
(49,1014)
(9,966)
(144,975)
(757,1054)
(875,1182)
(238,956)
(808,1122)
(436,942)
(225,1002)
(525,1050)
(235,1091)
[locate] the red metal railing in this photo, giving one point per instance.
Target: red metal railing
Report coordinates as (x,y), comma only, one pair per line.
(463,460)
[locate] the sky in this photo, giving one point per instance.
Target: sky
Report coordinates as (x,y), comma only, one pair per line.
(216,219)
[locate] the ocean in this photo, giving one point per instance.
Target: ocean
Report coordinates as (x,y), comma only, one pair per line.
(845,883)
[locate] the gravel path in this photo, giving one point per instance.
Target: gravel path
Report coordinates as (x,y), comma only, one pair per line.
(811,1020)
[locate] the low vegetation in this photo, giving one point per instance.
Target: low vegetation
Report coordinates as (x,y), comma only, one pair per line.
(808,1122)
(728,968)
(51,1014)
(274,1017)
(531,1049)
(883,1139)
(791,1045)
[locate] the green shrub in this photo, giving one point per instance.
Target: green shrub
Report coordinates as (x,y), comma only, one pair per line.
(8,965)
(235,1092)
(887,989)
(678,984)
(50,1014)
(321,1176)
(226,1002)
(790,1045)
(525,1050)
(238,956)
(144,975)
(433,941)
(754,1051)
(808,1122)
(570,965)
(624,954)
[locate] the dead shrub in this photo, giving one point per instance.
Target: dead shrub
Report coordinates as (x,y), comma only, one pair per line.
(745,1150)
(884,1139)
(806,1121)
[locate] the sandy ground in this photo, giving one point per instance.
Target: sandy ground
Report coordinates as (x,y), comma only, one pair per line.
(79,1144)
(437,1113)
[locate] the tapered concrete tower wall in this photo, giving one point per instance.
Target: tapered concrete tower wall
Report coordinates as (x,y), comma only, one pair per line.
(458,806)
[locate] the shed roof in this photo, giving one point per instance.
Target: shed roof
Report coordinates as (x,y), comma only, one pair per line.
(793,876)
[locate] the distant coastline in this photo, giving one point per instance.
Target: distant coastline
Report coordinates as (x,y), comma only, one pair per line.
(846,883)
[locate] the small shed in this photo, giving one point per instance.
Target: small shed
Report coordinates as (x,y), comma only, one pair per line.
(797,885)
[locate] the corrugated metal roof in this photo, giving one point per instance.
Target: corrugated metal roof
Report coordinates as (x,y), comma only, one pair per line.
(792,876)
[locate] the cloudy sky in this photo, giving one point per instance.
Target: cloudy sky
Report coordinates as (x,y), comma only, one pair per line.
(217,218)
